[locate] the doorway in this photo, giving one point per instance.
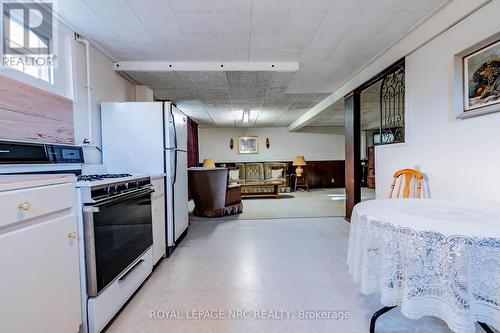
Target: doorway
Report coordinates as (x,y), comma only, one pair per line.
(374,115)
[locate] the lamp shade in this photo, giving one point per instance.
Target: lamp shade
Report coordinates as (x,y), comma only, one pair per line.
(208,163)
(299,161)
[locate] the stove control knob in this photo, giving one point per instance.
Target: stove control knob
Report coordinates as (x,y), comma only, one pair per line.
(110,190)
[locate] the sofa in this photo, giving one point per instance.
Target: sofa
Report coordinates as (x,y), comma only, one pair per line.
(261,172)
(212,193)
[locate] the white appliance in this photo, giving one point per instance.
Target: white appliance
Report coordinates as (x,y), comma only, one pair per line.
(150,138)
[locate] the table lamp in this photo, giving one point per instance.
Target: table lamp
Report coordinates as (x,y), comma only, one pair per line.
(299,162)
(208,163)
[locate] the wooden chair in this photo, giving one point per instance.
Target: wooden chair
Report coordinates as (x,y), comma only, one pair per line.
(410,176)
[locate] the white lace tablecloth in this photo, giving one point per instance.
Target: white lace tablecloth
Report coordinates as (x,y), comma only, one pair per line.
(431,257)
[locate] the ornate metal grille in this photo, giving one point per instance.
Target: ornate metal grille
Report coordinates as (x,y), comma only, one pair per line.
(392,107)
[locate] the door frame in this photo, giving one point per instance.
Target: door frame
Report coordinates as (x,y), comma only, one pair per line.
(353,170)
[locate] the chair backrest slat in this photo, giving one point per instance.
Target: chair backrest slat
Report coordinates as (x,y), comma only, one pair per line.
(412,181)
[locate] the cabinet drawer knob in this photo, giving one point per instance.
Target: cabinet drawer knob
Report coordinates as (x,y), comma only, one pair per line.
(24,206)
(72,235)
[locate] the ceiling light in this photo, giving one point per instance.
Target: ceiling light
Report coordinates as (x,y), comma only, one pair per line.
(246,116)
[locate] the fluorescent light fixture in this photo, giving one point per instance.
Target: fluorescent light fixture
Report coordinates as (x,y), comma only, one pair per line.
(246,116)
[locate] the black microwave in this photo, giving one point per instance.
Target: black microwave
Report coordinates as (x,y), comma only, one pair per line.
(39,153)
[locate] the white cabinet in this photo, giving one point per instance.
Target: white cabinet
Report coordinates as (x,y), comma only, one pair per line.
(39,279)
(159,218)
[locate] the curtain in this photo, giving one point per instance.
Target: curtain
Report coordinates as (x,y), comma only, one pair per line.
(192,147)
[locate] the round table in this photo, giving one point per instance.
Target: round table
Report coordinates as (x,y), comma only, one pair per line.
(431,257)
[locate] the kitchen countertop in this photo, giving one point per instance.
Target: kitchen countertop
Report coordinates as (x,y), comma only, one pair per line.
(16,182)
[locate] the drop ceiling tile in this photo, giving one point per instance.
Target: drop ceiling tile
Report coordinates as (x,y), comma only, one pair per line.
(160,24)
(171,41)
(260,6)
(326,41)
(308,5)
(181,6)
(207,55)
(149,7)
(238,54)
(201,23)
(202,80)
(213,96)
(247,95)
(423,5)
(175,95)
(231,5)
(338,21)
(313,56)
(294,41)
(117,15)
(373,21)
(281,79)
(278,96)
(181,55)
(357,5)
(109,39)
(138,42)
(304,21)
(354,41)
(264,40)
(232,22)
(222,118)
(240,79)
(288,54)
(234,41)
(202,42)
(218,107)
(391,5)
(262,55)
(405,20)
(269,22)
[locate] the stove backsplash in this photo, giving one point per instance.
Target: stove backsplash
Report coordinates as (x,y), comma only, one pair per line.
(94,169)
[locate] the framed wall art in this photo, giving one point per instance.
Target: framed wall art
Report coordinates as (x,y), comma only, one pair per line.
(479,80)
(248,145)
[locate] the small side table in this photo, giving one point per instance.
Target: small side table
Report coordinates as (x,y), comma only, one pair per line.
(301,181)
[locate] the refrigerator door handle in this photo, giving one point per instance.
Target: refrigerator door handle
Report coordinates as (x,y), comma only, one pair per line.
(173,125)
(175,166)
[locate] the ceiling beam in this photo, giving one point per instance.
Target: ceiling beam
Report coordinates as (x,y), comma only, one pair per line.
(194,66)
(445,17)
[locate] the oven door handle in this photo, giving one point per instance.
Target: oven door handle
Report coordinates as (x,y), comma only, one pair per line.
(121,197)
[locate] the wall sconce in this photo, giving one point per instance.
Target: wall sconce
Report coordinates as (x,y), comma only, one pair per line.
(231,144)
(268,144)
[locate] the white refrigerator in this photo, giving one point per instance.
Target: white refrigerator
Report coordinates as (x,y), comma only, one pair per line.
(150,138)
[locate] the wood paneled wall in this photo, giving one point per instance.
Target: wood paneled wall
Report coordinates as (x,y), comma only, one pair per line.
(31,114)
(319,173)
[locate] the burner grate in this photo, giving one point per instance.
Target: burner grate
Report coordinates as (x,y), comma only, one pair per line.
(90,178)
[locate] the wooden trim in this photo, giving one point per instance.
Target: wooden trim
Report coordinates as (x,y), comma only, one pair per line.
(353,171)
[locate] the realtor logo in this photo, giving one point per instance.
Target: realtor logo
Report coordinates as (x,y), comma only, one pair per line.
(35,19)
(28,38)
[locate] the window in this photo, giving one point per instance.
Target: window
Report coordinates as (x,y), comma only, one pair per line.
(26,58)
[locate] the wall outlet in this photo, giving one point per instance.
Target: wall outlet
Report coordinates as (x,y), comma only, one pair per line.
(333,180)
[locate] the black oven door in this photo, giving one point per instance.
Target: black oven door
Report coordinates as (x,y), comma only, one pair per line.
(118,230)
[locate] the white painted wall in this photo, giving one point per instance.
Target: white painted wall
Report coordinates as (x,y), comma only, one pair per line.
(315,143)
(460,158)
(107,86)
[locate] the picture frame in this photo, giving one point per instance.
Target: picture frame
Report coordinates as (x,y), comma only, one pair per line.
(248,145)
(477,79)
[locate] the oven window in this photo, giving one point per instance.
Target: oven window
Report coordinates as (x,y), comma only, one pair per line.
(123,231)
